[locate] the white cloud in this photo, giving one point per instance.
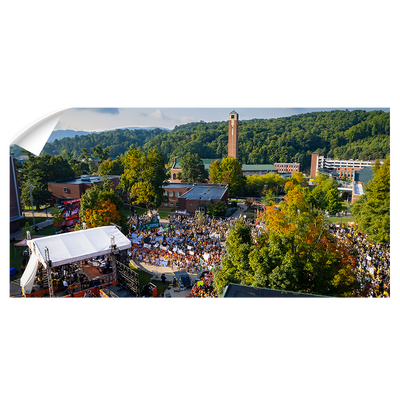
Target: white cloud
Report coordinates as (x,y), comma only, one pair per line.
(186,119)
(159,115)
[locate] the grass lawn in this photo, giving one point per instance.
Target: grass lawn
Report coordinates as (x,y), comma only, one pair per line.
(144,278)
(16,259)
(335,220)
(37,219)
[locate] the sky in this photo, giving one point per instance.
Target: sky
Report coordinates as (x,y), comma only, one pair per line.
(100,119)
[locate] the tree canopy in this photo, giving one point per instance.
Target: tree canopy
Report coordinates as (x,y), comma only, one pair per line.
(144,177)
(293,252)
(372,210)
(228,171)
(101,205)
(192,169)
(42,170)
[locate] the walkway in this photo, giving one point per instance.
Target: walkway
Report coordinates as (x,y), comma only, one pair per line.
(156,271)
(18,235)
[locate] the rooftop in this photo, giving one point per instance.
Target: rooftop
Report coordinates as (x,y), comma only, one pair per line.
(205,192)
(245,167)
(364,175)
(178,185)
(258,167)
(83,179)
(234,290)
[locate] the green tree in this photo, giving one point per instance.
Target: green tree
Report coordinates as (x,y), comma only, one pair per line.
(40,171)
(192,168)
(319,197)
(229,171)
(144,177)
(100,153)
(98,201)
(56,213)
(109,167)
(293,252)
(40,194)
(372,210)
(217,209)
(235,266)
(333,202)
(27,228)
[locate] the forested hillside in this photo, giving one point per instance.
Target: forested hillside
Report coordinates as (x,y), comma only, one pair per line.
(118,141)
(337,134)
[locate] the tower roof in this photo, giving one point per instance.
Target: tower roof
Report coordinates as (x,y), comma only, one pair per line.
(233,112)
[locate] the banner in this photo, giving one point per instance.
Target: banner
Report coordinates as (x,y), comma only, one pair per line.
(148,246)
(151,225)
(206,256)
(164,248)
(191,253)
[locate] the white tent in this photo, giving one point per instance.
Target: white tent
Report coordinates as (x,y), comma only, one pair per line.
(71,247)
(28,277)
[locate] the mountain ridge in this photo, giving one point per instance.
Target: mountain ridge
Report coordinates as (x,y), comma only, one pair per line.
(62,133)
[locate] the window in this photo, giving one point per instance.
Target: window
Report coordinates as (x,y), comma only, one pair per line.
(232,117)
(165,204)
(171,204)
(177,194)
(174,176)
(165,193)
(171,194)
(65,190)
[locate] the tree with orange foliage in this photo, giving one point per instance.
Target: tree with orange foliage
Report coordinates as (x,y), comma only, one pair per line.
(101,205)
(299,254)
(102,214)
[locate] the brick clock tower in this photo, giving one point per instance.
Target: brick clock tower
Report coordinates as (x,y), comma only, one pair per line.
(233,132)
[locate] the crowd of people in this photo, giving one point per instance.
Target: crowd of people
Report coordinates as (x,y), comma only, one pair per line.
(182,244)
(373,260)
(203,288)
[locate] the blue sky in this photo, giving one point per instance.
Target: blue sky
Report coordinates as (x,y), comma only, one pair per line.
(99,119)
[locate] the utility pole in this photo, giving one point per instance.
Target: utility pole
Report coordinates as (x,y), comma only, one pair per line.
(30,193)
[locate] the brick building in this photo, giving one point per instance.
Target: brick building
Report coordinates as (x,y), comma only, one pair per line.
(71,189)
(200,195)
(287,168)
(176,168)
(15,200)
(173,191)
